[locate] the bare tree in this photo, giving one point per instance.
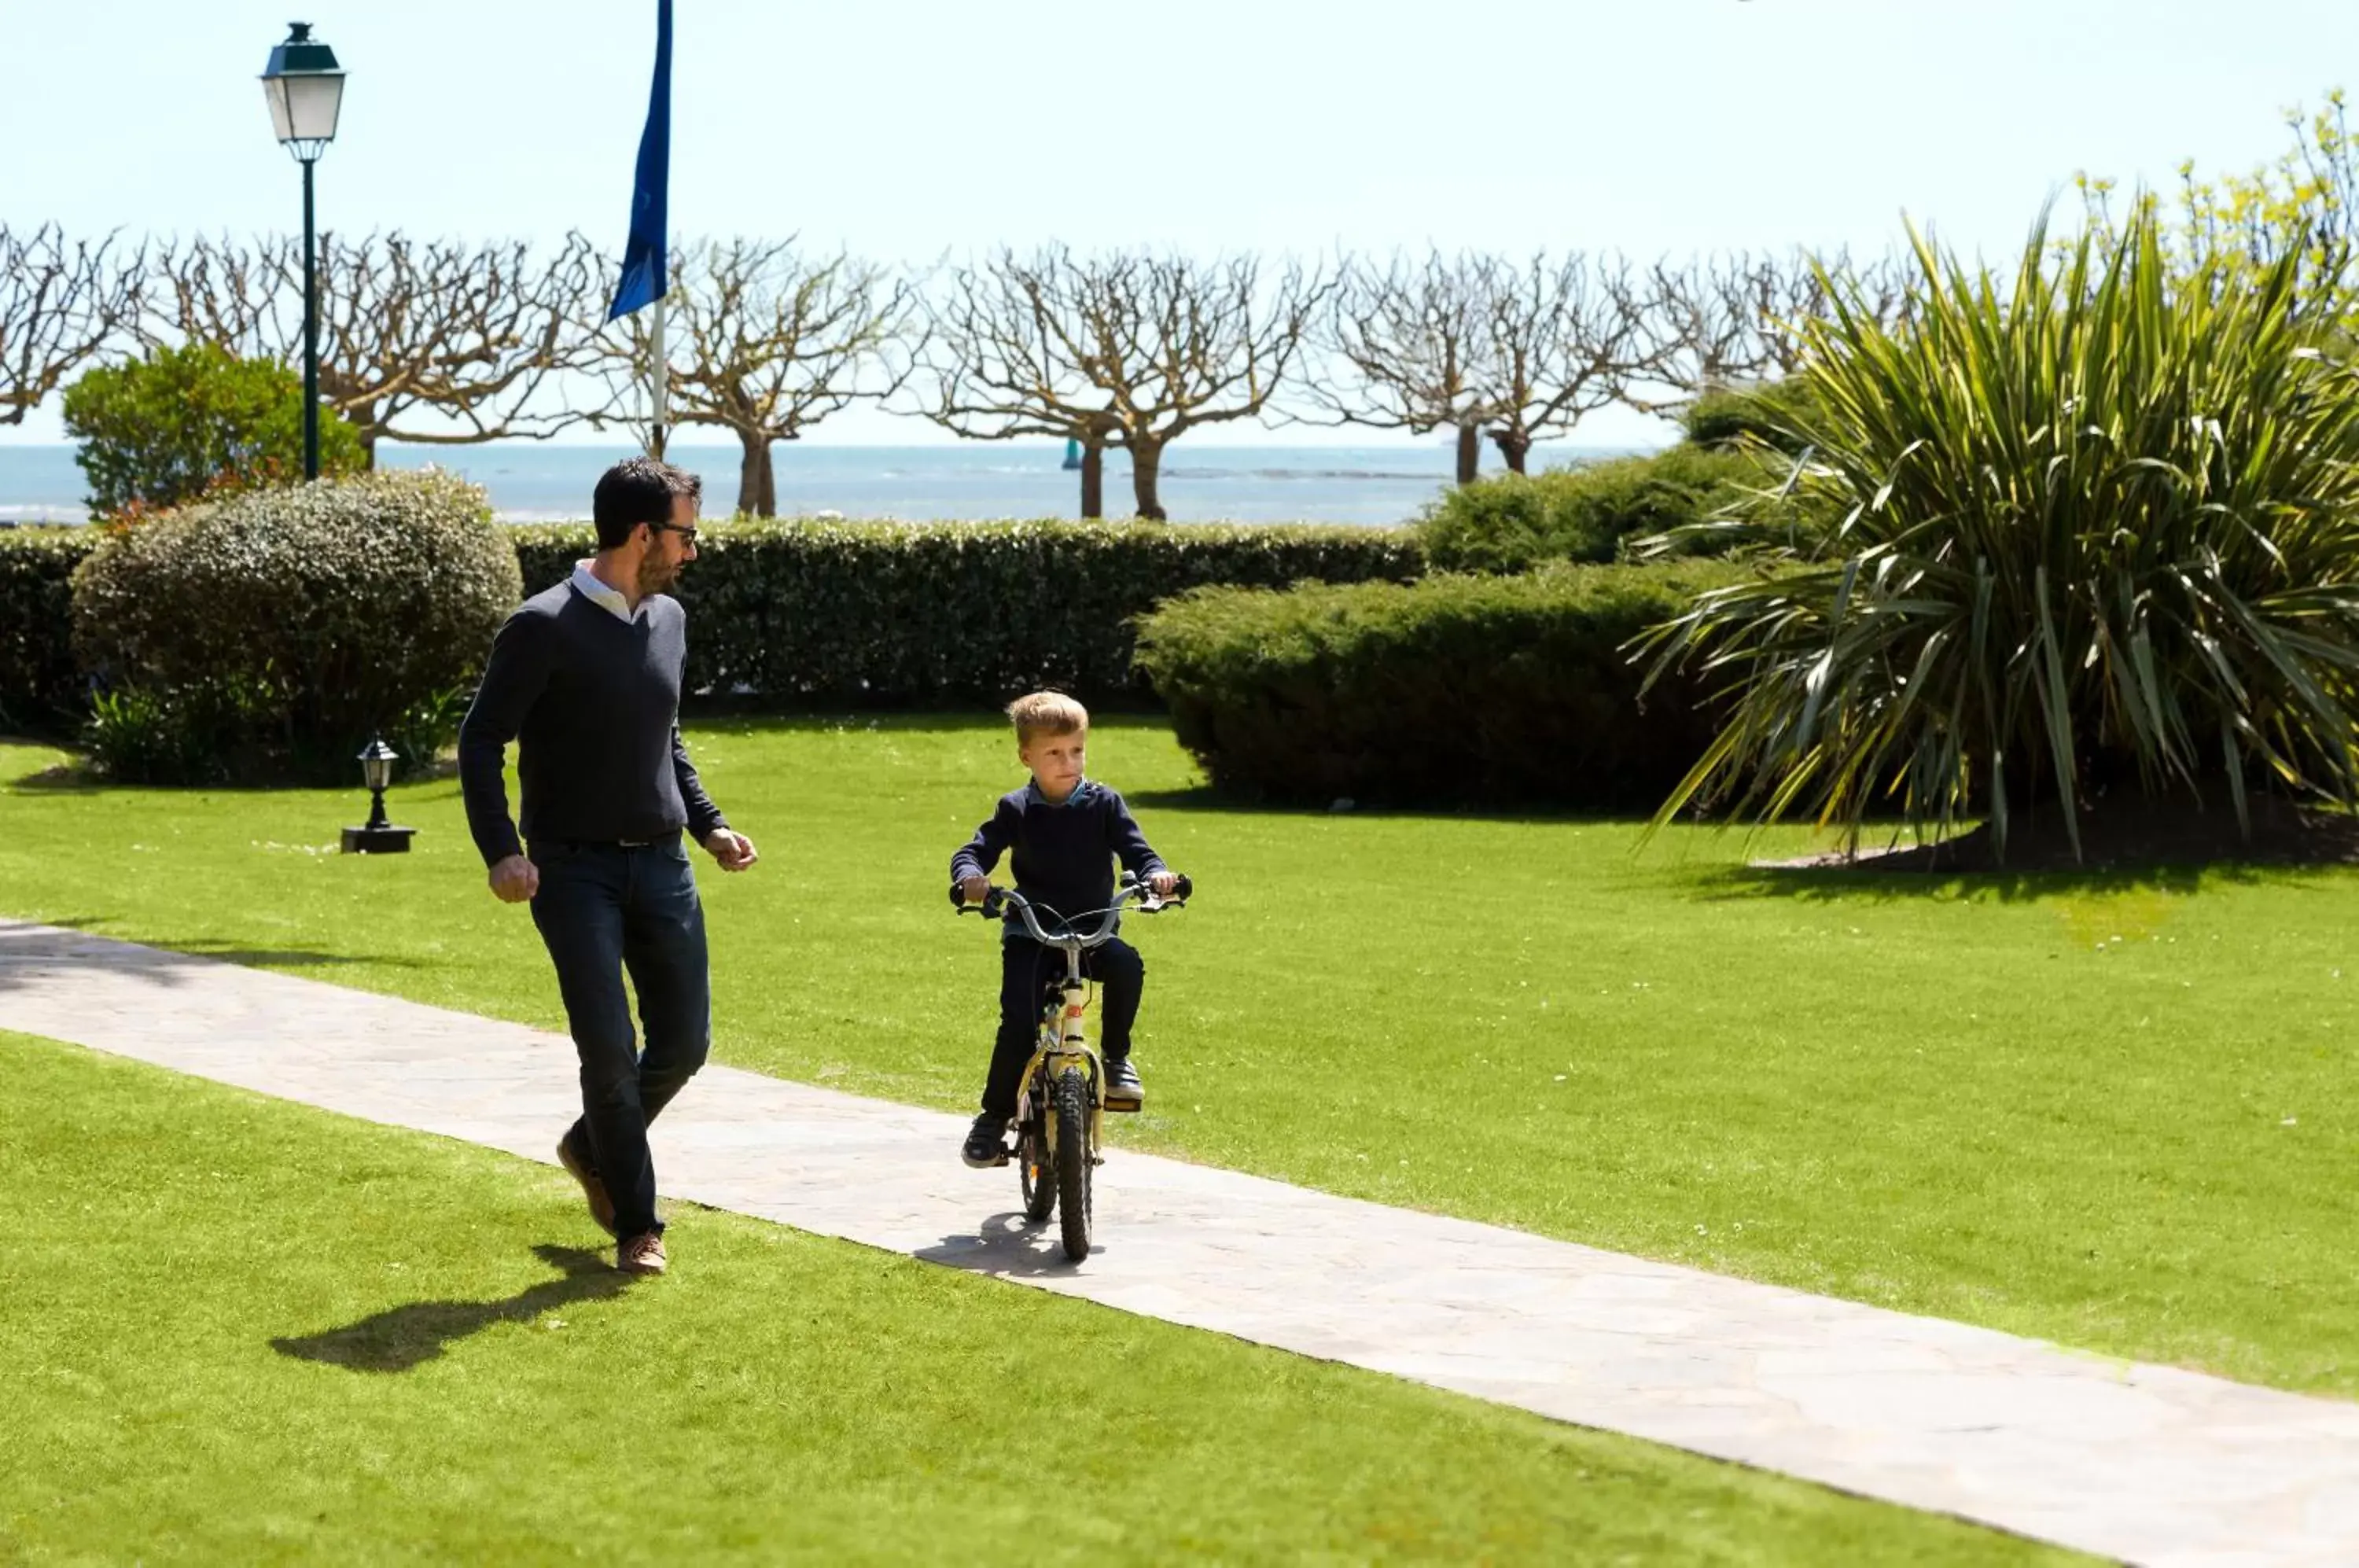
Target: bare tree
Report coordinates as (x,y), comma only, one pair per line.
(470,333)
(60,304)
(1130,351)
(1732,319)
(1414,337)
(763,343)
(1559,339)
(1780,293)
(1713,327)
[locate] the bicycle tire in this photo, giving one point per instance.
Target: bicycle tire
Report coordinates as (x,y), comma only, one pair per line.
(1073,1162)
(1035,1169)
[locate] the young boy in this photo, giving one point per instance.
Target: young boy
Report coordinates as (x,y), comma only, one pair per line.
(1066,831)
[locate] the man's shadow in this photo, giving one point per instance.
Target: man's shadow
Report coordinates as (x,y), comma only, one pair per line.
(399,1338)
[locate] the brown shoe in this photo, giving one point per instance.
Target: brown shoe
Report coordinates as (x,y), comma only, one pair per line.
(601,1207)
(640,1254)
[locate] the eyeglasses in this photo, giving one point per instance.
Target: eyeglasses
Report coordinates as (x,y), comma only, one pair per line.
(687,536)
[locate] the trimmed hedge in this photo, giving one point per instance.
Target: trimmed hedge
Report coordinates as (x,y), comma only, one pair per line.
(855,613)
(1454,691)
(266,635)
(789,614)
(41,690)
(1514,522)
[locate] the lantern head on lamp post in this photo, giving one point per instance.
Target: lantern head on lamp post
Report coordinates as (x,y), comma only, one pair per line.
(305,88)
(377,836)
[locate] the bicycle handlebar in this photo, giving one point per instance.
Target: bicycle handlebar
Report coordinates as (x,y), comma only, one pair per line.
(996,901)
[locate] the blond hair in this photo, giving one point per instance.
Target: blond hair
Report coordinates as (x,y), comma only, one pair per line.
(1046,713)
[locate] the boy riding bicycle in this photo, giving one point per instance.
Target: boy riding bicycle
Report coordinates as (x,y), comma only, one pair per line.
(1065,831)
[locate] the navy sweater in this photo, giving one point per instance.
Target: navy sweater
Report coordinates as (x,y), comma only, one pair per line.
(592,703)
(1064,854)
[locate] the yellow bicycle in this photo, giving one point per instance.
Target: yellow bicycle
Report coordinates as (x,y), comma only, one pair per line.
(1063,1094)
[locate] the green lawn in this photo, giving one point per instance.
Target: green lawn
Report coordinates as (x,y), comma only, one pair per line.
(2112,1111)
(244,1331)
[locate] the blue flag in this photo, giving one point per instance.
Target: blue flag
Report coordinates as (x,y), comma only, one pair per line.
(644,254)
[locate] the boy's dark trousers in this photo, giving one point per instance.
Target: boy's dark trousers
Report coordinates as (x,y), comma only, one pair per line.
(603,908)
(1027,972)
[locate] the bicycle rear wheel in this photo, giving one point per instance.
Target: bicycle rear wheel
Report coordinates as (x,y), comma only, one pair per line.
(1073,1160)
(1035,1168)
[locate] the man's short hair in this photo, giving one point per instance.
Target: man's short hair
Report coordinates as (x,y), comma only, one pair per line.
(637,490)
(1045,714)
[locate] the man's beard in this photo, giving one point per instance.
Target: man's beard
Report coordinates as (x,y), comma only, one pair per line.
(655,576)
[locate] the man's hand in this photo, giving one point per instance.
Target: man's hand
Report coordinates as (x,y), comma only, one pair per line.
(1163,882)
(514,879)
(734,850)
(973,888)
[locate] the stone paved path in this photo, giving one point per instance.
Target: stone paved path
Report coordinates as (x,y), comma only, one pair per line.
(2142,1463)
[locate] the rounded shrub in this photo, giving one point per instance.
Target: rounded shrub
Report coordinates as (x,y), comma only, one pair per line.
(1768,414)
(1451,690)
(1514,522)
(268,636)
(186,423)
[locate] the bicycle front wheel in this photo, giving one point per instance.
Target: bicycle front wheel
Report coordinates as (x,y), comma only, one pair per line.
(1073,1160)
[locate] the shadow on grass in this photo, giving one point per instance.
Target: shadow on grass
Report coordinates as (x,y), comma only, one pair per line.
(706,717)
(292,957)
(75,776)
(64,778)
(1204,798)
(725,716)
(401,1338)
(1820,884)
(164,964)
(1007,1247)
(29,762)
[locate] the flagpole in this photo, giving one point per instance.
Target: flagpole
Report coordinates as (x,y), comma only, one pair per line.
(642,281)
(658,375)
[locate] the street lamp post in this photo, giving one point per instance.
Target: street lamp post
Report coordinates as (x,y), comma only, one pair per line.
(305,88)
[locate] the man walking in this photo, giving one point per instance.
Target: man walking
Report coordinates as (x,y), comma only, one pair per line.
(585,679)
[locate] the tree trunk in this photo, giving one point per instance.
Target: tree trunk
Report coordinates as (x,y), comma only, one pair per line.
(1512,445)
(1092,481)
(753,473)
(770,483)
(1470,453)
(363,418)
(1146,469)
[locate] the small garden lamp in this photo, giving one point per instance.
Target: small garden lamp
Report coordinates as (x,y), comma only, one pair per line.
(377,836)
(305,88)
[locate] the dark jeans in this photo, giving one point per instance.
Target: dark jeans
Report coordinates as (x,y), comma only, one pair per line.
(1026,972)
(603,910)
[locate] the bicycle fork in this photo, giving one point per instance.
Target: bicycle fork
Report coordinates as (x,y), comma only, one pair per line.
(1065,1048)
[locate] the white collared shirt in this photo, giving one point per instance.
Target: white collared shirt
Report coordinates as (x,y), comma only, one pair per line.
(586,582)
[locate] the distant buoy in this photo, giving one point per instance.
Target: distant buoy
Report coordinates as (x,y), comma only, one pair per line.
(1072,452)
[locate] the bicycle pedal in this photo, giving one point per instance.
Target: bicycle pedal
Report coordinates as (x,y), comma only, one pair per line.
(1125,1102)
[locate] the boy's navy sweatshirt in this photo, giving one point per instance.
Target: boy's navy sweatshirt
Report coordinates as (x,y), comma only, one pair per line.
(1064,854)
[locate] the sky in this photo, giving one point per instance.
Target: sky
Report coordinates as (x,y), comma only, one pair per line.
(927,130)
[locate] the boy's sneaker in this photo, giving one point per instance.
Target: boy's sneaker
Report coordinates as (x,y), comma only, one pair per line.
(1124,1092)
(986,1142)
